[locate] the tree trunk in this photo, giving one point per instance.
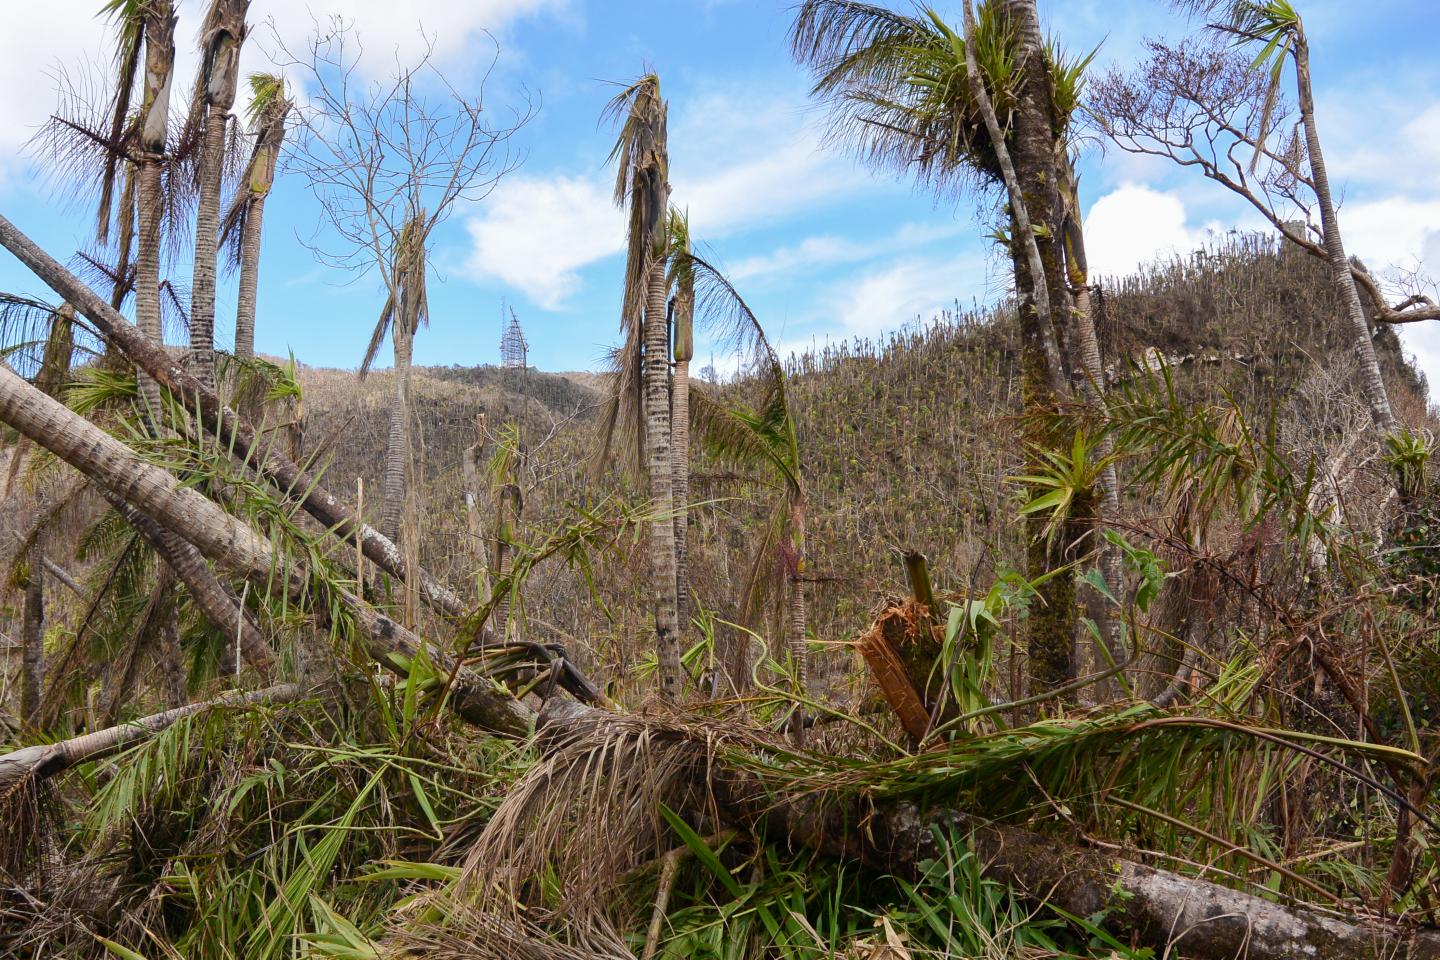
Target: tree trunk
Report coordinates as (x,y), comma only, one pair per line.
(397,448)
(658,454)
(221,75)
(509,506)
(32,633)
(159,66)
(1372,384)
(147,276)
(680,454)
(207,237)
(229,428)
(1039,280)
(224,539)
(50,758)
(797,626)
(1091,368)
(216,601)
(249,279)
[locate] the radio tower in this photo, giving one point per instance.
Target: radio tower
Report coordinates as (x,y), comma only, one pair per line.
(513,348)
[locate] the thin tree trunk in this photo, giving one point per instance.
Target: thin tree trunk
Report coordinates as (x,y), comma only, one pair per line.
(658,454)
(680,453)
(509,508)
(680,459)
(147,276)
(32,634)
(232,430)
(397,448)
(221,76)
(172,661)
(1092,372)
(159,66)
(796,615)
(47,759)
(217,602)
(226,540)
(1030,181)
(207,237)
(249,279)
(1372,384)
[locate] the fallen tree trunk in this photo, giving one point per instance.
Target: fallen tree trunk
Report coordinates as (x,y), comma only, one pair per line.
(216,601)
(238,435)
(1167,911)
(51,758)
(226,424)
(227,541)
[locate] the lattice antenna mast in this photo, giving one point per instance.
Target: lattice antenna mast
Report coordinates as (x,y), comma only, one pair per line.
(514,350)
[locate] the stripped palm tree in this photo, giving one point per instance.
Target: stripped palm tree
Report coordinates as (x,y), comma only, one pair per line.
(145,33)
(406,310)
(221,35)
(904,97)
(240,230)
(641,184)
(1276,28)
(682,311)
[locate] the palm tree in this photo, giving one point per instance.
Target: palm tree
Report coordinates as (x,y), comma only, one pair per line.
(406,310)
(1276,27)
(682,310)
(903,97)
(221,35)
(145,34)
(269,107)
(641,183)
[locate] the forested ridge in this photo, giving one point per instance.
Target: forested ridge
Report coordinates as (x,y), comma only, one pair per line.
(1096,622)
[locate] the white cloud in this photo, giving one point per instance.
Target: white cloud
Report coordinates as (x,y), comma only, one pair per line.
(1134,225)
(901,293)
(831,249)
(38,37)
(534,233)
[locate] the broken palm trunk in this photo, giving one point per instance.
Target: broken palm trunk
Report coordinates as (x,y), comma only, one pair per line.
(904,648)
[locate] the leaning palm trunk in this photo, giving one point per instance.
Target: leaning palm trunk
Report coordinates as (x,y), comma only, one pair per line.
(397,447)
(232,430)
(1030,181)
(47,759)
(225,31)
(224,539)
(216,601)
(1372,384)
(1092,374)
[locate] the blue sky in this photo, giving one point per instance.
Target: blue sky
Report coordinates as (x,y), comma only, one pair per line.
(821,248)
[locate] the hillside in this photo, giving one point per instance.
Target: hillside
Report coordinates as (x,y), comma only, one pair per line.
(907,442)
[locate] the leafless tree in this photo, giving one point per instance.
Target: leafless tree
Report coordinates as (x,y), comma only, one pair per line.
(1201,105)
(389,160)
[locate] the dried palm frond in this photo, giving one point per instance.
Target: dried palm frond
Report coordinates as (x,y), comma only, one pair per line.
(577,826)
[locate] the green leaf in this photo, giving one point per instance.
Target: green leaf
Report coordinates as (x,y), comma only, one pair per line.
(702,851)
